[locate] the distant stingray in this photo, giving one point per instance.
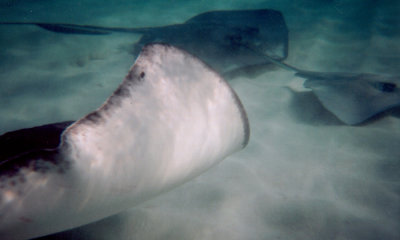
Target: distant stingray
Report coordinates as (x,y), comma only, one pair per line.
(352,97)
(233,42)
(216,37)
(171,119)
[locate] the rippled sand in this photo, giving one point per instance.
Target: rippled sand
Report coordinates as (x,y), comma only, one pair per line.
(304,175)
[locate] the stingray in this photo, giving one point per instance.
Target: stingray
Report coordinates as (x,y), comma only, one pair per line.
(351,97)
(216,37)
(171,119)
(236,41)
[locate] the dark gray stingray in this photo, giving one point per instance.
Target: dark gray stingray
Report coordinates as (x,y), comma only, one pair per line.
(216,37)
(352,97)
(233,42)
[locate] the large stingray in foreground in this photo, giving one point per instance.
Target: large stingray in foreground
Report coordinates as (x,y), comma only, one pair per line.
(171,119)
(216,37)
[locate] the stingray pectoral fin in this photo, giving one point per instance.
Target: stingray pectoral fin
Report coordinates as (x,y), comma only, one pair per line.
(16,143)
(264,29)
(169,101)
(171,119)
(354,98)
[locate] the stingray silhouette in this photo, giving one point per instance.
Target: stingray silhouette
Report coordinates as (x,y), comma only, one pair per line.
(352,97)
(216,37)
(234,41)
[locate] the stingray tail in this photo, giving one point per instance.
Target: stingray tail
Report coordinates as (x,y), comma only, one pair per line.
(274,61)
(80,29)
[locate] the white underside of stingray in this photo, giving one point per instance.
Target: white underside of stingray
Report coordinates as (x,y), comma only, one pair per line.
(170,120)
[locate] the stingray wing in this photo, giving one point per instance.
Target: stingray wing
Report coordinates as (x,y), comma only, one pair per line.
(171,119)
(17,146)
(269,25)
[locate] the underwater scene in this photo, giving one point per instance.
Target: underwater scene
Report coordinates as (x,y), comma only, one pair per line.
(195,119)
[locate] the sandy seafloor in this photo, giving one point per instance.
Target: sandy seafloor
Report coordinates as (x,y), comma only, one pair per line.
(304,175)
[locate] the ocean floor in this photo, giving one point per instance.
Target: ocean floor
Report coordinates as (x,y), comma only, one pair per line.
(304,174)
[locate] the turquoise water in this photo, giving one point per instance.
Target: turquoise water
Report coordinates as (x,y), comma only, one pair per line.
(304,174)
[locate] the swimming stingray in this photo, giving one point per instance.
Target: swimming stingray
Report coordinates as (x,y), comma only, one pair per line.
(233,40)
(352,97)
(171,119)
(216,37)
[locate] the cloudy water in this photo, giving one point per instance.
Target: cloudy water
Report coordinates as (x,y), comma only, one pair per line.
(305,173)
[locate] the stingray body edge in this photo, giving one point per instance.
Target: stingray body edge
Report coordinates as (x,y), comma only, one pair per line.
(170,120)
